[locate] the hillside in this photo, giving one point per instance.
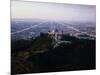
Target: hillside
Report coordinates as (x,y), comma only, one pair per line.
(38,54)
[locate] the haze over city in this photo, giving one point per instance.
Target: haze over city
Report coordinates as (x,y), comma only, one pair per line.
(53,11)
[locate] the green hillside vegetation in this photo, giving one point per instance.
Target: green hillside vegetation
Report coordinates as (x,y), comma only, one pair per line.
(38,55)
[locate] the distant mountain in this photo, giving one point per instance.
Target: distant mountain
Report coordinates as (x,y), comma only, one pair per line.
(27,19)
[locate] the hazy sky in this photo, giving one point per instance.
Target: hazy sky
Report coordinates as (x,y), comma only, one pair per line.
(53,11)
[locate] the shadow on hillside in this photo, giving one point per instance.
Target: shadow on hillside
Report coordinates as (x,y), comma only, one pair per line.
(37,55)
